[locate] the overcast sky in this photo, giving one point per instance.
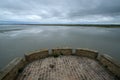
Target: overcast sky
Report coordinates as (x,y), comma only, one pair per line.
(60,11)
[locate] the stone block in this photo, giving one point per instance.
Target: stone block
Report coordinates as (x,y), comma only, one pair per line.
(36,55)
(87,53)
(110,64)
(63,51)
(11,71)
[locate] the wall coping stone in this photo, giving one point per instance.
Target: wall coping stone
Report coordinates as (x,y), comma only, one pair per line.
(35,52)
(86,49)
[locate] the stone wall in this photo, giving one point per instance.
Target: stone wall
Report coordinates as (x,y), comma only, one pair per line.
(87,53)
(11,71)
(110,64)
(64,51)
(14,68)
(36,55)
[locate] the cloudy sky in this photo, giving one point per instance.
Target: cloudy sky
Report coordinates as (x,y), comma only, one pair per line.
(60,11)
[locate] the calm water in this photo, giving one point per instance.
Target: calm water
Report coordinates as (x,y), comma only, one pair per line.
(15,40)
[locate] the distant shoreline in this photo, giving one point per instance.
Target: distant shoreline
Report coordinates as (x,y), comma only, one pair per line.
(86,25)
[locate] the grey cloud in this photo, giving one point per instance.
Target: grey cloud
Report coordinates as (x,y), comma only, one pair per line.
(60,10)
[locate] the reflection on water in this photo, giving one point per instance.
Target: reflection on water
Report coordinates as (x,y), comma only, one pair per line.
(17,40)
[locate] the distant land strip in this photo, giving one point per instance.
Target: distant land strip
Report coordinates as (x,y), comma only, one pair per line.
(87,25)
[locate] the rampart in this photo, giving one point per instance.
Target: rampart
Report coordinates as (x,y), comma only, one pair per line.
(11,71)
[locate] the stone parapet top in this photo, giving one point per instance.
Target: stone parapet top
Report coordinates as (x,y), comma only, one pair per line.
(37,51)
(86,49)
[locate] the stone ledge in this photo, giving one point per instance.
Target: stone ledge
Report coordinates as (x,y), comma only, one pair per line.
(12,69)
(110,64)
(87,53)
(36,55)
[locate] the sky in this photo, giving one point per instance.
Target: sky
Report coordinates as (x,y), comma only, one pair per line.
(60,11)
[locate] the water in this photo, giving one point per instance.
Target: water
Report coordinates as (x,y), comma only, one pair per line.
(15,40)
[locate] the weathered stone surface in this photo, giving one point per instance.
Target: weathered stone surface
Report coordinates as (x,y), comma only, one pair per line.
(36,55)
(11,71)
(65,68)
(110,64)
(64,51)
(87,53)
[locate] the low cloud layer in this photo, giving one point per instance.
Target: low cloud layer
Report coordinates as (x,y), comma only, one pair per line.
(61,11)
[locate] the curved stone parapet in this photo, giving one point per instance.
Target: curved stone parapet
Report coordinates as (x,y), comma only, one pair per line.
(87,53)
(110,64)
(36,55)
(11,71)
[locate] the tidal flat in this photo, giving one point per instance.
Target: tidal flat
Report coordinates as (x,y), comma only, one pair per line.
(15,40)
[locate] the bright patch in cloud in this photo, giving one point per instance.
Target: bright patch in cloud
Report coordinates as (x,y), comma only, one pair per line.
(33,17)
